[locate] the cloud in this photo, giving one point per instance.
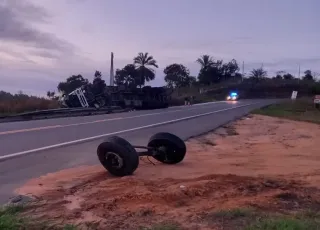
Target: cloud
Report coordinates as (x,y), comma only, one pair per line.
(7,53)
(29,57)
(17,25)
(44,53)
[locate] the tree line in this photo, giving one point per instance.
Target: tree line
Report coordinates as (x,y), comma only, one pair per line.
(176,75)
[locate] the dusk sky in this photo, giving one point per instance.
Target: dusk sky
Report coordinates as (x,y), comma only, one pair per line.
(43,42)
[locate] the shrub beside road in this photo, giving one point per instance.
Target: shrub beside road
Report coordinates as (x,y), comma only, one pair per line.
(301,110)
(19,103)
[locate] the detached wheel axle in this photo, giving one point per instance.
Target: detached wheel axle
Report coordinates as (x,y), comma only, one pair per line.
(120,158)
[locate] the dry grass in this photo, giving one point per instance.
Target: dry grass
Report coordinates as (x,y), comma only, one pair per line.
(19,103)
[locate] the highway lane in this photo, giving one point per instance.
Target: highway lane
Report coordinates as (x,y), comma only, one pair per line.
(11,126)
(67,120)
(16,171)
(57,131)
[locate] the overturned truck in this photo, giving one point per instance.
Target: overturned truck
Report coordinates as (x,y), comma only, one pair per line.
(132,98)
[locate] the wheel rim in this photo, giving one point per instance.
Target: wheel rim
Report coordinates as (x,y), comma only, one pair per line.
(168,152)
(114,160)
(164,151)
(167,148)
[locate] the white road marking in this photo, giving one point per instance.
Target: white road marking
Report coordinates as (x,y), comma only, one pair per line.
(29,130)
(13,155)
(96,121)
(205,103)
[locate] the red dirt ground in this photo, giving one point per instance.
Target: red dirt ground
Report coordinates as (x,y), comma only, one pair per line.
(270,164)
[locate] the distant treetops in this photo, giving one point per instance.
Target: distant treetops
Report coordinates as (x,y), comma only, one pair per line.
(142,70)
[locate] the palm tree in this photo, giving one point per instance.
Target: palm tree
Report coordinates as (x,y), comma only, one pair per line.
(205,61)
(97,74)
(143,62)
(258,73)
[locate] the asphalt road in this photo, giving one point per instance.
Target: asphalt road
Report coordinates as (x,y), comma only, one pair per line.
(33,148)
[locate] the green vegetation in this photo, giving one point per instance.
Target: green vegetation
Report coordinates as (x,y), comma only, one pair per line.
(69,227)
(301,110)
(250,219)
(239,218)
(284,223)
(11,219)
(233,213)
(163,226)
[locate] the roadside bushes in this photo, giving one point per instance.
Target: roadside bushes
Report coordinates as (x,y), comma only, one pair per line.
(316,89)
(253,88)
(19,103)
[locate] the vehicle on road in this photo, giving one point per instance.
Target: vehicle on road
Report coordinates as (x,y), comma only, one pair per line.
(233,96)
(145,98)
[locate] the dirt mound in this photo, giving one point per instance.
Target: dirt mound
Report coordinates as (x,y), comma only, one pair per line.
(272,170)
(129,202)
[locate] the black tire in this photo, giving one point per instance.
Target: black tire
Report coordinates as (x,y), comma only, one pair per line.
(175,148)
(122,150)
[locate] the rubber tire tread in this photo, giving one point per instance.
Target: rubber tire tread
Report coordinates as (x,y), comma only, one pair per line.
(167,138)
(124,149)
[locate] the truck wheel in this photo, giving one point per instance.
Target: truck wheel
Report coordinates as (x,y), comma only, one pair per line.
(168,148)
(118,156)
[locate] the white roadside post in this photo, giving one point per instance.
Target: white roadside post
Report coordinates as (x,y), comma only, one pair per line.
(294,95)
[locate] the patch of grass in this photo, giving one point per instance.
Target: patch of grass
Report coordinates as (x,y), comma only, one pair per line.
(309,214)
(231,219)
(163,226)
(11,209)
(301,110)
(250,219)
(11,222)
(208,142)
(9,219)
(231,131)
(286,223)
(233,213)
(18,103)
(70,227)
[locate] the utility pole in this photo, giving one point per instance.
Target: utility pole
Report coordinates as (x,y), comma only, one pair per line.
(242,70)
(299,72)
(111,71)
